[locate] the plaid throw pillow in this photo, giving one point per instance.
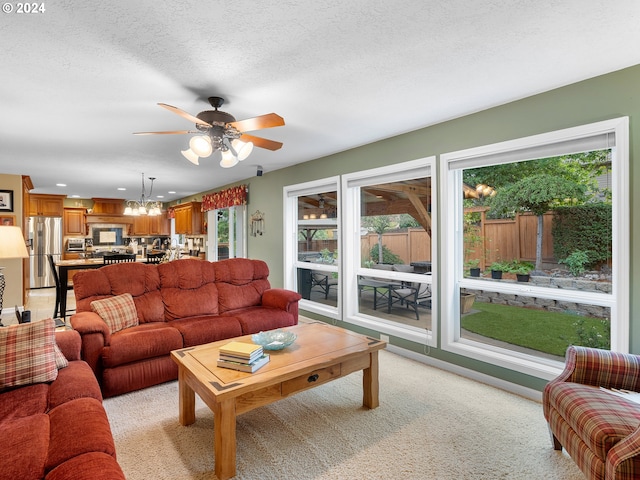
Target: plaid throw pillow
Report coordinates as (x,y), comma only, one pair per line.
(118,312)
(61,360)
(27,354)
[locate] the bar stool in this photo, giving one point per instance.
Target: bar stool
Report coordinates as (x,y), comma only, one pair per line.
(59,288)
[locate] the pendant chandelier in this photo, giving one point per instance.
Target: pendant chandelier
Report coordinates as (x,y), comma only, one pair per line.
(144,206)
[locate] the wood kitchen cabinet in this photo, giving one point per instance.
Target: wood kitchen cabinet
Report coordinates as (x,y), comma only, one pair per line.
(160,225)
(73,222)
(108,206)
(188,218)
(140,226)
(146,226)
(46,205)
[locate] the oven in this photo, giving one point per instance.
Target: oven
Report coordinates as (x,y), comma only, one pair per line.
(75,245)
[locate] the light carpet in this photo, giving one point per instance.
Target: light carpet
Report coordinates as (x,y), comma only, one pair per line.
(430,424)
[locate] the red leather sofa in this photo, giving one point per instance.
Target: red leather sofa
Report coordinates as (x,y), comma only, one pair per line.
(58,430)
(599,429)
(179,304)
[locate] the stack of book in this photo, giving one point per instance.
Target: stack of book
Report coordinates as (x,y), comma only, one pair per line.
(245,357)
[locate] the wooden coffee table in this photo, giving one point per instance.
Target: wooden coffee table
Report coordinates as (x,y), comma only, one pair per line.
(320,354)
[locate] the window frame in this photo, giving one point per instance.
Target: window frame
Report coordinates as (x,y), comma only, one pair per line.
(351,217)
(291,262)
(528,148)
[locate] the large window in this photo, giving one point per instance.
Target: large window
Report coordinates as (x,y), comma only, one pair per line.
(390,217)
(534,242)
(313,243)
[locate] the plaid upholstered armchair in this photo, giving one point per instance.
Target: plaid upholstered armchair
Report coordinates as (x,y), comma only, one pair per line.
(600,430)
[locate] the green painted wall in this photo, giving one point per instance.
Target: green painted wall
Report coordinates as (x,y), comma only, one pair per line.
(605,97)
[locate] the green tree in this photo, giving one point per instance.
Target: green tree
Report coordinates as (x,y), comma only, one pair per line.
(584,228)
(378,224)
(538,194)
(223,225)
(407,221)
(582,168)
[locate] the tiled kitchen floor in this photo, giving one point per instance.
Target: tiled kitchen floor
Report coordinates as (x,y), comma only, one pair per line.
(40,302)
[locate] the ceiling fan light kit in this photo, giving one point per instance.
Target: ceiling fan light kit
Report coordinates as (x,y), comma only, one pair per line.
(191,156)
(228,159)
(242,149)
(201,145)
(221,132)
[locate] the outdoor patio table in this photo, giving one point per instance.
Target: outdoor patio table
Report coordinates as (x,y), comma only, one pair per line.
(380,287)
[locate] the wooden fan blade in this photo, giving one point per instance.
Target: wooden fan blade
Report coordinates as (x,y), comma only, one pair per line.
(261,142)
(171,132)
(258,123)
(184,114)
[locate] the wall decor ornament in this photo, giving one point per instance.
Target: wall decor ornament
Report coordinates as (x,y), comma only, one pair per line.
(257,223)
(6,200)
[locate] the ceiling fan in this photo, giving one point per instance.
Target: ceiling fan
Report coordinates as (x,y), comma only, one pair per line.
(218,130)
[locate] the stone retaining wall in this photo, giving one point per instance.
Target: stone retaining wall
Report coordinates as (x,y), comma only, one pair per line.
(560,306)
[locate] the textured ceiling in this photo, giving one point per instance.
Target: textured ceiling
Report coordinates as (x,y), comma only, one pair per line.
(78,79)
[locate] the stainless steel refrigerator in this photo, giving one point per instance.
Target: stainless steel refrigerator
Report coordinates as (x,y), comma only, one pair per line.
(45,237)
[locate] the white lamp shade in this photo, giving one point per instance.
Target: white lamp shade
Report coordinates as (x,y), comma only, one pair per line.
(12,244)
(128,211)
(201,145)
(191,156)
(243,149)
(228,160)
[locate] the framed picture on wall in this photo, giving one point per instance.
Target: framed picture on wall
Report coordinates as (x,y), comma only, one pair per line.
(6,200)
(7,220)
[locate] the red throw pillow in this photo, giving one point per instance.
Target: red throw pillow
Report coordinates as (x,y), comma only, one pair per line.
(28,354)
(118,312)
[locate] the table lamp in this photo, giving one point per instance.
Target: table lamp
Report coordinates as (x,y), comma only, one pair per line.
(12,245)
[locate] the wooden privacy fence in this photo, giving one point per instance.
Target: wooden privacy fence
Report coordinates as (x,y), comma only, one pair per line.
(411,245)
(502,239)
(509,239)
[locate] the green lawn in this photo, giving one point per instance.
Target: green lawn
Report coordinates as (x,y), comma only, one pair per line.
(535,329)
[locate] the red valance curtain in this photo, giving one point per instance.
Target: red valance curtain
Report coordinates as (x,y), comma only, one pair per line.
(230,197)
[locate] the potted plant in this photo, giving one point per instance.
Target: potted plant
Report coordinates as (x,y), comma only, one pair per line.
(497,268)
(472,265)
(521,269)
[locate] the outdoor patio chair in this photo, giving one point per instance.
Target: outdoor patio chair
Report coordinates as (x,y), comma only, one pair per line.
(324,281)
(412,296)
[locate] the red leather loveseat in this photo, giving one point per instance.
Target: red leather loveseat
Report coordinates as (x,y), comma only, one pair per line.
(177,304)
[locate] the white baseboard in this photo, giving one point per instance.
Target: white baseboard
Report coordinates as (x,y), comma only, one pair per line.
(510,387)
(514,388)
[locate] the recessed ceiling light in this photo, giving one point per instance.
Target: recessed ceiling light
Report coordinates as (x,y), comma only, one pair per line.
(121,189)
(75,196)
(171,191)
(160,196)
(61,184)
